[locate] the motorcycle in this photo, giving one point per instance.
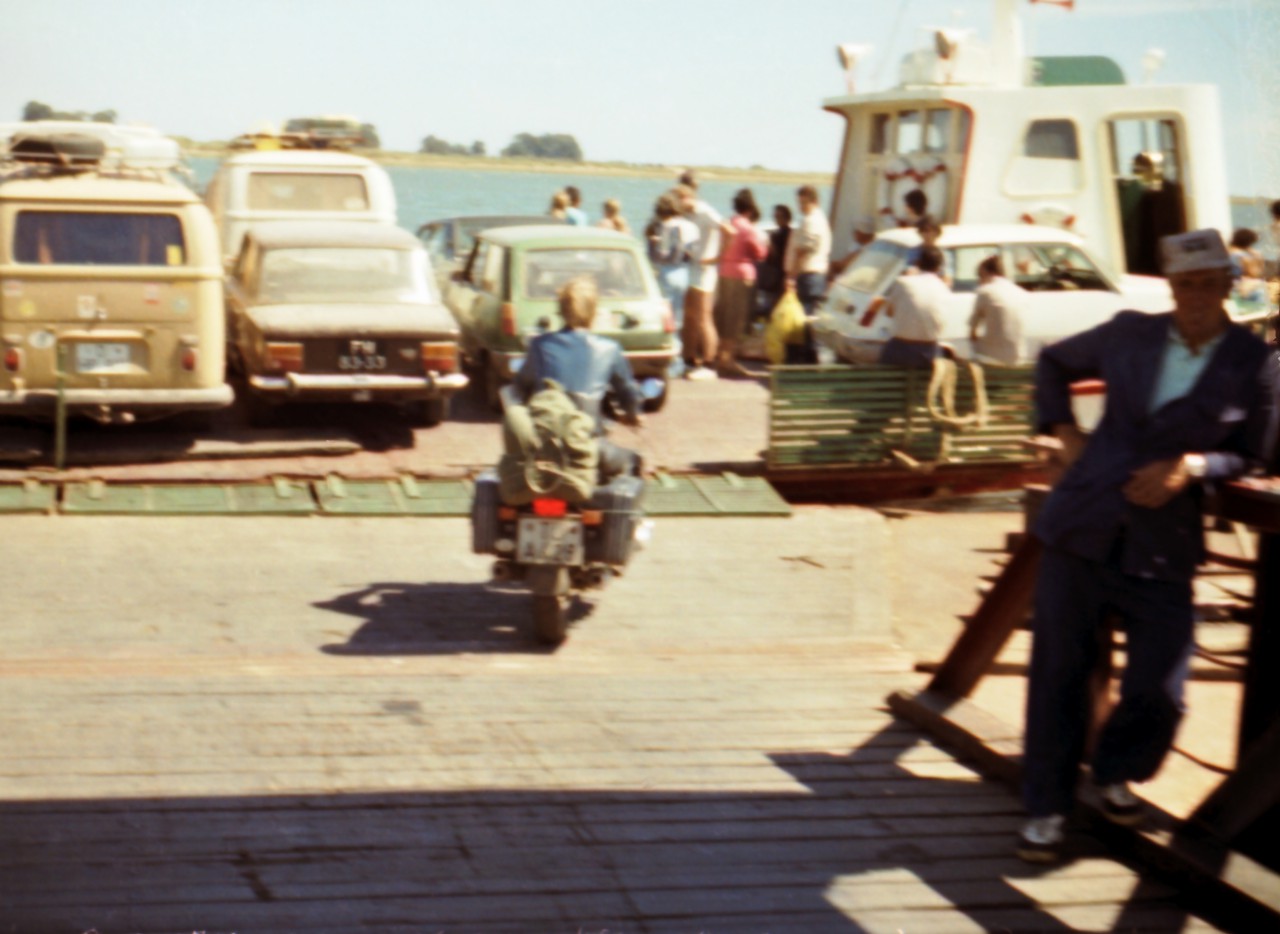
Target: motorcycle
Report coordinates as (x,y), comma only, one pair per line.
(558,549)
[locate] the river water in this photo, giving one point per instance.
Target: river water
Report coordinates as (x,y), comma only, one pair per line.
(425,194)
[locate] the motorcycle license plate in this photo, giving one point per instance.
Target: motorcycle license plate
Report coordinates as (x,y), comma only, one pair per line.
(550,541)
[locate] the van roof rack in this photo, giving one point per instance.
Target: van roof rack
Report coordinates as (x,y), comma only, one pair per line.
(74,146)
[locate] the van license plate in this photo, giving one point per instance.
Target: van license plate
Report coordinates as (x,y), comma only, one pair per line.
(102,358)
(550,541)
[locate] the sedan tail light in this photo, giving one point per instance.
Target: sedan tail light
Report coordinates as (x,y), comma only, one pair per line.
(509,319)
(668,319)
(13,359)
(284,358)
(440,356)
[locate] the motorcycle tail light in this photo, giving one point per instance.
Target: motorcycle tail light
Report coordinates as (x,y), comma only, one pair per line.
(550,508)
(13,359)
(592,517)
(509,319)
(284,358)
(440,357)
(507,513)
(189,359)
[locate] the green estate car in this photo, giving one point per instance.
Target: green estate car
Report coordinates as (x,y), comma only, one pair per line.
(505,295)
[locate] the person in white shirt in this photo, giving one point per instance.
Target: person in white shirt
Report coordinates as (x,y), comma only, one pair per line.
(915,303)
(999,305)
(807,261)
(700,340)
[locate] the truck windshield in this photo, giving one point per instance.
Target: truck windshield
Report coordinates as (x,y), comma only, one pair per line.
(324,275)
(98,238)
(307,191)
(616,272)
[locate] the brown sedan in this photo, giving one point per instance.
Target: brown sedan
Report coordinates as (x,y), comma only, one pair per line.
(341,311)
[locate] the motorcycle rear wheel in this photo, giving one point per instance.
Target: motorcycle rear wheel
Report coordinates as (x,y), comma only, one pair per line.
(550,618)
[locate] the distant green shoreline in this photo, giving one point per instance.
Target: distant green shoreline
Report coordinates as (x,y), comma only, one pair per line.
(557,166)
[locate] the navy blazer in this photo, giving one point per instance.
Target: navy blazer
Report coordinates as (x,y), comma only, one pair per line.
(1229,415)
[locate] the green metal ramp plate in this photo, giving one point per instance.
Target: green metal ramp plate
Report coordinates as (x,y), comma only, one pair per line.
(280,497)
(725,495)
(28,496)
(404,496)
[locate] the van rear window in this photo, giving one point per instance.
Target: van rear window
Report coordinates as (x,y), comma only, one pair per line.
(306,191)
(98,238)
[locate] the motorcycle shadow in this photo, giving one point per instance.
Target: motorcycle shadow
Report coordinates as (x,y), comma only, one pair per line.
(441,619)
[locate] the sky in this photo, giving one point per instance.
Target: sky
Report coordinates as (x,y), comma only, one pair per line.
(676,82)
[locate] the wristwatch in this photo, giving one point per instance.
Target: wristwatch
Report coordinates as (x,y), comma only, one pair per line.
(1196,465)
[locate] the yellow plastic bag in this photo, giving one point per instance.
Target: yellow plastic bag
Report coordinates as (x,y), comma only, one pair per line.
(786,326)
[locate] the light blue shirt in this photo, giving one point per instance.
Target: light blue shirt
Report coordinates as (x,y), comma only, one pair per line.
(1180,367)
(576,216)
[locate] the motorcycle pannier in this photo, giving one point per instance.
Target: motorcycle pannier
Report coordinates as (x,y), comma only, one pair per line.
(620,500)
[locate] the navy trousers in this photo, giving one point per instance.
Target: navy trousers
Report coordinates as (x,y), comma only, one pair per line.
(1074,598)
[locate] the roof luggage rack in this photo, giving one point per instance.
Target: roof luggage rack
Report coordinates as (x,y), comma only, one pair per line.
(71,152)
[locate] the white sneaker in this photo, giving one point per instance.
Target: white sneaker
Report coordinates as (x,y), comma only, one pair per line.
(700,374)
(1041,839)
(1120,805)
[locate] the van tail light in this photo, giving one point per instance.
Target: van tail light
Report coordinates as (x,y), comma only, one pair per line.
(13,359)
(508,319)
(189,359)
(284,358)
(440,357)
(668,320)
(550,508)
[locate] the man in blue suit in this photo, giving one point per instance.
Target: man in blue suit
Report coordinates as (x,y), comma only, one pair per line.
(1189,402)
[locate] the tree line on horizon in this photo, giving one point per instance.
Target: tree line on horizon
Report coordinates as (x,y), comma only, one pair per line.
(523,145)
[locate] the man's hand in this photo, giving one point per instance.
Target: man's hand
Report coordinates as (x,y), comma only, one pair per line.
(1154,484)
(634,420)
(1062,450)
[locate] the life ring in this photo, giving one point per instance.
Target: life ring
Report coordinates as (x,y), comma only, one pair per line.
(1050,215)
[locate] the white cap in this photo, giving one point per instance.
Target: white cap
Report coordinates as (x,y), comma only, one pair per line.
(1193,251)
(866,224)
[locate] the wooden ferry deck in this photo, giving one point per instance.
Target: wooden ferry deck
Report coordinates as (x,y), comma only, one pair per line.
(341,728)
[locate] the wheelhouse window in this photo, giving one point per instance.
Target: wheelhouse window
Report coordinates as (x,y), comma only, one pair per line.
(307,191)
(98,238)
(1051,139)
(1048,161)
(342,275)
(616,272)
(910,135)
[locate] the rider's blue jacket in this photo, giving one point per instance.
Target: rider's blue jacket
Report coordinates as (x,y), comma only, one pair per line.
(585,364)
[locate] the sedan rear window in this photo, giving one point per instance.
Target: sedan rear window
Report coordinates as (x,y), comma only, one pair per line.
(323,275)
(873,268)
(98,238)
(616,272)
(307,191)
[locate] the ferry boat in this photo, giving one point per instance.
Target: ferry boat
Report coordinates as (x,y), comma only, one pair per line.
(993,137)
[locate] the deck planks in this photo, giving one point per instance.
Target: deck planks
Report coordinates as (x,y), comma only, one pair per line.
(357,736)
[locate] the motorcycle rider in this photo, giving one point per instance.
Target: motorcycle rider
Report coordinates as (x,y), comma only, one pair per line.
(587,366)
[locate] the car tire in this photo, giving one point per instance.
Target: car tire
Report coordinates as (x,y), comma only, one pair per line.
(427,413)
(657,403)
(492,387)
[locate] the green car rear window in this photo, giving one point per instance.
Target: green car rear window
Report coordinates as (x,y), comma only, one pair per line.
(98,238)
(616,272)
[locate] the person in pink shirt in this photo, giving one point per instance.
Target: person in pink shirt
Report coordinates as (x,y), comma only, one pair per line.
(735,291)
